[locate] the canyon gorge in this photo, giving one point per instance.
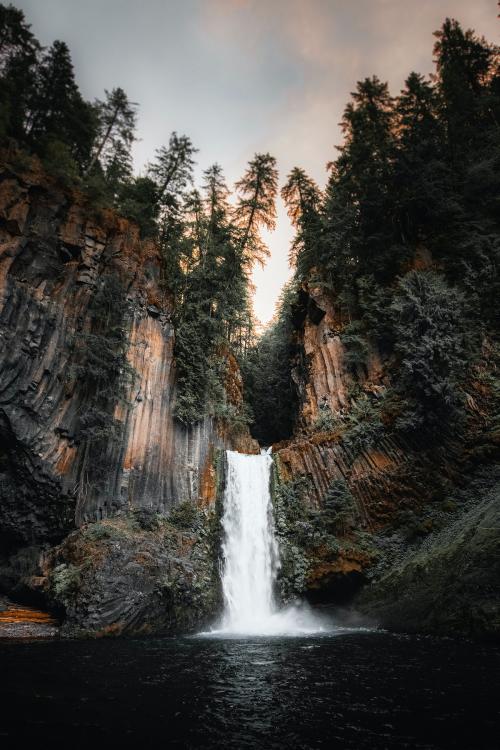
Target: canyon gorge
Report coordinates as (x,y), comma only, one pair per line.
(122,534)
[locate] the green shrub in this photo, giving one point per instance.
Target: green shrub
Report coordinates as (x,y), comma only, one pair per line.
(428,317)
(185,516)
(65,579)
(327,421)
(363,425)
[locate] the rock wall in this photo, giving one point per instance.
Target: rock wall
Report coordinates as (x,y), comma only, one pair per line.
(322,377)
(412,515)
(54,247)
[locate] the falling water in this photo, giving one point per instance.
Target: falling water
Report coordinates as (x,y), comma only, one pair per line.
(251,554)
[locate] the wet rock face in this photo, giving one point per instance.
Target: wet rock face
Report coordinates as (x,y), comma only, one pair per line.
(54,250)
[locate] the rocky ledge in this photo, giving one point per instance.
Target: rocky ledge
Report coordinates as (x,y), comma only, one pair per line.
(136,573)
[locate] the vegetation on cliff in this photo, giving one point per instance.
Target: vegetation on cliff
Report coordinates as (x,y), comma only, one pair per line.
(209,249)
(208,244)
(400,251)
(403,242)
(392,301)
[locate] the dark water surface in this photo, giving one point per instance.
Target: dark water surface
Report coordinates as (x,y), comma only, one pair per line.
(350,690)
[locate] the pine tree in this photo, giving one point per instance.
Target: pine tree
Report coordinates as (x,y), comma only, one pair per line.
(173,168)
(15,36)
(302,198)
(423,186)
(116,130)
(19,52)
(255,207)
(463,64)
(138,201)
(57,110)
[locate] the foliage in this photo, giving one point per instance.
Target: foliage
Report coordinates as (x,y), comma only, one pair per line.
(404,242)
(208,261)
(185,516)
(255,207)
(64,581)
(304,532)
(364,426)
(138,201)
(59,162)
(266,370)
(327,420)
(116,118)
(431,344)
(172,168)
(302,198)
(356,347)
(339,507)
(293,528)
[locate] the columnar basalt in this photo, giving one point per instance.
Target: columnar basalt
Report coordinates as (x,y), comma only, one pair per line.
(55,249)
(378,511)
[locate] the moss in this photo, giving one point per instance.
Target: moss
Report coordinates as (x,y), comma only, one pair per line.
(146,519)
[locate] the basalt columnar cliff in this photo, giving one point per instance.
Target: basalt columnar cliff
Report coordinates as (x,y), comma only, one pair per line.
(56,252)
(129,541)
(411,538)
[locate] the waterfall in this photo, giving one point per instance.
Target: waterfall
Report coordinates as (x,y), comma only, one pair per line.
(249,549)
(251,554)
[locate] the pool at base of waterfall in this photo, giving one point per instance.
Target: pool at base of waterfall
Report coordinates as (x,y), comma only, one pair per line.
(342,689)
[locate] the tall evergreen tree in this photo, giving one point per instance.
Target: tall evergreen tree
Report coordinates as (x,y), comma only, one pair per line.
(255,208)
(302,198)
(15,35)
(116,130)
(358,201)
(57,109)
(423,189)
(19,52)
(463,64)
(173,167)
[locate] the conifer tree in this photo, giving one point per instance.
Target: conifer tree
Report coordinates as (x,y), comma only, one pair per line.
(463,64)
(15,36)
(116,130)
(423,189)
(255,208)
(138,201)
(19,52)
(57,110)
(357,212)
(302,198)
(173,168)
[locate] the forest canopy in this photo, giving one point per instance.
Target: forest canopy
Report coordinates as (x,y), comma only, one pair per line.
(208,243)
(404,241)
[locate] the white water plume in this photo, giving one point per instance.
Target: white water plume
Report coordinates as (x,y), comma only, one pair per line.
(251,555)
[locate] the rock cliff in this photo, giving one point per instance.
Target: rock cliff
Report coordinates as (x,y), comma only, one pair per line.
(56,252)
(402,523)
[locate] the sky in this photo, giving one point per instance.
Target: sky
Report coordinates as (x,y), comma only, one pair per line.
(247,76)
